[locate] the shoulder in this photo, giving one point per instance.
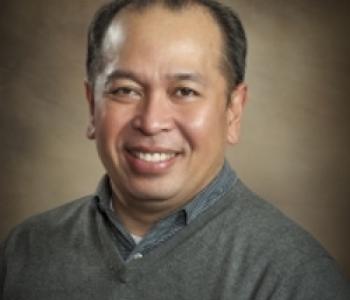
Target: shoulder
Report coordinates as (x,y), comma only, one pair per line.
(266,225)
(52,223)
(268,242)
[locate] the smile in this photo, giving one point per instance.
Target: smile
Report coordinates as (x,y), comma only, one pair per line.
(154,157)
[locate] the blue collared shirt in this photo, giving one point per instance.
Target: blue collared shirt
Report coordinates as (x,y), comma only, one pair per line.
(167,227)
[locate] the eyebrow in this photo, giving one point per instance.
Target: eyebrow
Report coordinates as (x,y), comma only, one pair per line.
(180,76)
(123,74)
(186,77)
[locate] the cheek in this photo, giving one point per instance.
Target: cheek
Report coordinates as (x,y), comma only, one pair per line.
(204,127)
(110,122)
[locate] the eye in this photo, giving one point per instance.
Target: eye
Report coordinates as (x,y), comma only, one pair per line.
(125,93)
(186,92)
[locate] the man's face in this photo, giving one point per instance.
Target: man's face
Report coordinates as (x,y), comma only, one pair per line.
(159,109)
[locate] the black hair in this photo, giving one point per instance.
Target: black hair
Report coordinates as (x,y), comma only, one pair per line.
(235,43)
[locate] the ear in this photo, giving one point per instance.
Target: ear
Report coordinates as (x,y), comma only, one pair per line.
(235,106)
(89,95)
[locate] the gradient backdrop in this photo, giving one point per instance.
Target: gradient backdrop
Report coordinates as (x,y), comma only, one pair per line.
(295,144)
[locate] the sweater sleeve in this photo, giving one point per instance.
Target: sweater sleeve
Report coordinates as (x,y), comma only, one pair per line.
(2,268)
(319,278)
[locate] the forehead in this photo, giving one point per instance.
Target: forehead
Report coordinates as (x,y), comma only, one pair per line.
(191,30)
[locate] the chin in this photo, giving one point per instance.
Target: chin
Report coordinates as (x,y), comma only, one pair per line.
(155,192)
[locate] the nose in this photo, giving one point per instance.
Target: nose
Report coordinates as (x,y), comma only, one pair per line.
(154,115)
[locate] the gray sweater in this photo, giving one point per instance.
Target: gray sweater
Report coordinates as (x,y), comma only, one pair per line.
(241,248)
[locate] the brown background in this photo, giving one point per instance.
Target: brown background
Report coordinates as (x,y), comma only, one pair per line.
(295,145)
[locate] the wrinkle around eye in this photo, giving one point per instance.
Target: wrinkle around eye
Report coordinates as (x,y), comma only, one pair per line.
(186,93)
(124,93)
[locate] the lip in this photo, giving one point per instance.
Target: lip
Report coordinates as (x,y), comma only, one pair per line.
(151,149)
(150,168)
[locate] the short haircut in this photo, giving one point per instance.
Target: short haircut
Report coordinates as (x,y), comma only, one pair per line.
(234,38)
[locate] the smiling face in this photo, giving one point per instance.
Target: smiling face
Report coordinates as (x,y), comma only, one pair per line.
(159,109)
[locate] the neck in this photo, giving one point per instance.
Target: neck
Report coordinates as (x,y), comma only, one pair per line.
(139,215)
(137,220)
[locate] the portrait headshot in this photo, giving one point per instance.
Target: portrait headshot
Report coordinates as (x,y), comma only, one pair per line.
(174,149)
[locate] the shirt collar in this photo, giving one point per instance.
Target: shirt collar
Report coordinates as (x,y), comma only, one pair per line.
(104,193)
(208,196)
(211,193)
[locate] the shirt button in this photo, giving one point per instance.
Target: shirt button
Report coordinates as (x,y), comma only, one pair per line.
(137,256)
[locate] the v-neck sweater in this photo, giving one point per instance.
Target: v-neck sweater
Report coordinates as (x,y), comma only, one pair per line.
(240,248)
(168,226)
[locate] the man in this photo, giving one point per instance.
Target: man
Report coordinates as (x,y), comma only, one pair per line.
(170,220)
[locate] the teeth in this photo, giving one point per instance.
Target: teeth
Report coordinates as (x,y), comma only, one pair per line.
(154,157)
